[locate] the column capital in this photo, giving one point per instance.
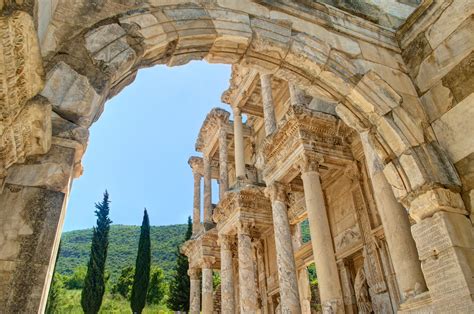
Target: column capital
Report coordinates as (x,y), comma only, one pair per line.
(226,241)
(236,111)
(194,273)
(196,175)
(207,262)
(276,191)
(244,227)
(309,162)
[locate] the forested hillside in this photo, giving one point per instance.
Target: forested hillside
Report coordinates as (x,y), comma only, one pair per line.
(123,244)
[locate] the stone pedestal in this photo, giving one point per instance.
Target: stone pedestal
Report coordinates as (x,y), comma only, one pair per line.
(227,275)
(247,278)
(207,300)
(197,203)
(207,193)
(396,226)
(321,240)
(223,156)
(268,106)
(195,291)
(239,144)
(290,299)
(446,248)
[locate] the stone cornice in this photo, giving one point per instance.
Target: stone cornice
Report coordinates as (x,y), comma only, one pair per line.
(216,118)
(196,164)
(304,131)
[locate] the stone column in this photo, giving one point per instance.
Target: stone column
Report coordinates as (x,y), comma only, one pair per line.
(207,300)
(304,289)
(290,300)
(268,106)
(396,226)
(207,193)
(223,172)
(227,275)
(239,144)
(247,281)
(297,96)
(195,293)
(197,203)
(321,238)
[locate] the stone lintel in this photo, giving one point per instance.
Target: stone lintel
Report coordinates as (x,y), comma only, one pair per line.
(245,205)
(203,250)
(196,164)
(305,133)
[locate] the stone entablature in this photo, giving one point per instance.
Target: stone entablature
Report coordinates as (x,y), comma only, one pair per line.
(304,133)
(247,204)
(196,164)
(203,250)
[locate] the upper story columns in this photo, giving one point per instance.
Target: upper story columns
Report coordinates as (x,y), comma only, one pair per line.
(239,144)
(268,105)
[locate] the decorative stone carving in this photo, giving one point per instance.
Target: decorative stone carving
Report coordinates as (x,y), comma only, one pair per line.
(276,192)
(25,127)
(362,292)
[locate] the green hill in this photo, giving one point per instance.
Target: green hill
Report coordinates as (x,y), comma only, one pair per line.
(123,244)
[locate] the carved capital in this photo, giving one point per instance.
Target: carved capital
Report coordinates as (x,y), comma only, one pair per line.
(245,227)
(226,241)
(207,262)
(194,273)
(276,192)
(309,162)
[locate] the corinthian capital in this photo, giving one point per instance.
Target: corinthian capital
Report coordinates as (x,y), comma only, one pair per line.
(194,273)
(226,241)
(309,162)
(276,192)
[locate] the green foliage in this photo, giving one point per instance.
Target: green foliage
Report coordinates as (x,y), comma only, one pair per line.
(142,268)
(124,283)
(123,245)
(179,286)
(76,280)
(55,294)
(157,288)
(305,236)
(216,279)
(94,283)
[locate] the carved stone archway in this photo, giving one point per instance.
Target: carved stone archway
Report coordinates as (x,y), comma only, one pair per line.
(92,50)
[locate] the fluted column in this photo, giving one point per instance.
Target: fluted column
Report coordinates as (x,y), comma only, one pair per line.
(223,172)
(207,193)
(268,106)
(194,291)
(396,226)
(247,280)
(227,275)
(207,300)
(197,203)
(290,299)
(297,96)
(321,239)
(239,144)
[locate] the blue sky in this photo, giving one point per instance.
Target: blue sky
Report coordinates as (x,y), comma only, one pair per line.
(138,150)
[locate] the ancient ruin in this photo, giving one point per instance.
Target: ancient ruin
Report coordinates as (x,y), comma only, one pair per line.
(357,118)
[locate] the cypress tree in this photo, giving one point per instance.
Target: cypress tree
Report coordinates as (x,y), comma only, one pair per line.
(142,268)
(179,286)
(94,283)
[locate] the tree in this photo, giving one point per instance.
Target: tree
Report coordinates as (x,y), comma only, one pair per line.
(179,286)
(94,283)
(142,268)
(76,279)
(55,290)
(157,289)
(124,283)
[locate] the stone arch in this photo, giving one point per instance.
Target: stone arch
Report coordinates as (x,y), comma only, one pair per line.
(116,47)
(93,61)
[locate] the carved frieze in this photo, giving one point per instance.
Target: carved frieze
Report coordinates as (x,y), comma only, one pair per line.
(25,124)
(304,133)
(246,204)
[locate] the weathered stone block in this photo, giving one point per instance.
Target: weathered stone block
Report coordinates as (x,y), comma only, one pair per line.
(460,80)
(415,53)
(437,101)
(433,201)
(107,45)
(71,95)
(454,130)
(447,55)
(52,171)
